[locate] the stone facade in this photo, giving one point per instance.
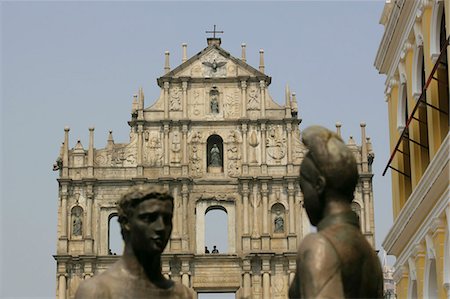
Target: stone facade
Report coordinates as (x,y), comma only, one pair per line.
(217,139)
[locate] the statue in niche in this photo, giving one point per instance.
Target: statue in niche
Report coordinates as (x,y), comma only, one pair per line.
(279,222)
(337,261)
(77,222)
(215,159)
(214,103)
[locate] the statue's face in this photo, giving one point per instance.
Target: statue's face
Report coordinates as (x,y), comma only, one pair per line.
(308,184)
(150,226)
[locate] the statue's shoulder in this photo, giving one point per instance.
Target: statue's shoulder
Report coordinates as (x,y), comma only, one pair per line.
(99,286)
(316,250)
(183,292)
(96,287)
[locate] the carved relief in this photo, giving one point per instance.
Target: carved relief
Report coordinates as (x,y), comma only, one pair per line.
(213,65)
(175,99)
(253,142)
(176,147)
(276,143)
(197,105)
(195,160)
(298,148)
(253,99)
(232,105)
(233,154)
(196,71)
(279,286)
(153,151)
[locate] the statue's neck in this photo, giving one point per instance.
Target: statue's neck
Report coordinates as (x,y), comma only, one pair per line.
(143,265)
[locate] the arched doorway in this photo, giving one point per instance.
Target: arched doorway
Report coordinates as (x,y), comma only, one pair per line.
(115,241)
(216,230)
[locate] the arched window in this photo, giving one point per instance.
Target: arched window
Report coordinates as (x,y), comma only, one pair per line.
(77,221)
(423,119)
(115,241)
(216,230)
(214,150)
(278,216)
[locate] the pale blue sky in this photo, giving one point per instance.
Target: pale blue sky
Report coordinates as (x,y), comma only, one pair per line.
(79,63)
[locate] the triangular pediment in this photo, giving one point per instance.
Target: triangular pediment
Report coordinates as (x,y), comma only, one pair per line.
(213,62)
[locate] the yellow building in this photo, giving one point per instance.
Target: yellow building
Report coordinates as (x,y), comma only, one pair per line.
(413,54)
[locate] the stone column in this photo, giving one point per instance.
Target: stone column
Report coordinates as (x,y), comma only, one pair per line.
(166,100)
(265,213)
(263,148)
(244,149)
(244,98)
(185,273)
(176,213)
(185,160)
(140,156)
(291,193)
(65,170)
(289,147)
(245,193)
(64,214)
(262,86)
(264,193)
(184,86)
(366,208)
(184,226)
(91,153)
(88,240)
(166,149)
(247,284)
(255,233)
(266,278)
(62,288)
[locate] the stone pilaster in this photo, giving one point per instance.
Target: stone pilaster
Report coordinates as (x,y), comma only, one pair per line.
(244,98)
(166,100)
(184,227)
(244,149)
(166,149)
(185,160)
(184,87)
(263,149)
(262,86)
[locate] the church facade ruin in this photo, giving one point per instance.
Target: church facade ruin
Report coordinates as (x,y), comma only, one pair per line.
(217,140)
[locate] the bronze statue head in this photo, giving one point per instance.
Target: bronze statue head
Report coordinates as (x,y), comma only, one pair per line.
(328,171)
(145,216)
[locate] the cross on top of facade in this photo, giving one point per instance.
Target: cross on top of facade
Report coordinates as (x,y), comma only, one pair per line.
(214,31)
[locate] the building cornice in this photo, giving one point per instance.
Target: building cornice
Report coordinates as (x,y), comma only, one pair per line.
(413,222)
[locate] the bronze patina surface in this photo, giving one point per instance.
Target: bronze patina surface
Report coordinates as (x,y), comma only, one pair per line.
(337,261)
(145,216)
